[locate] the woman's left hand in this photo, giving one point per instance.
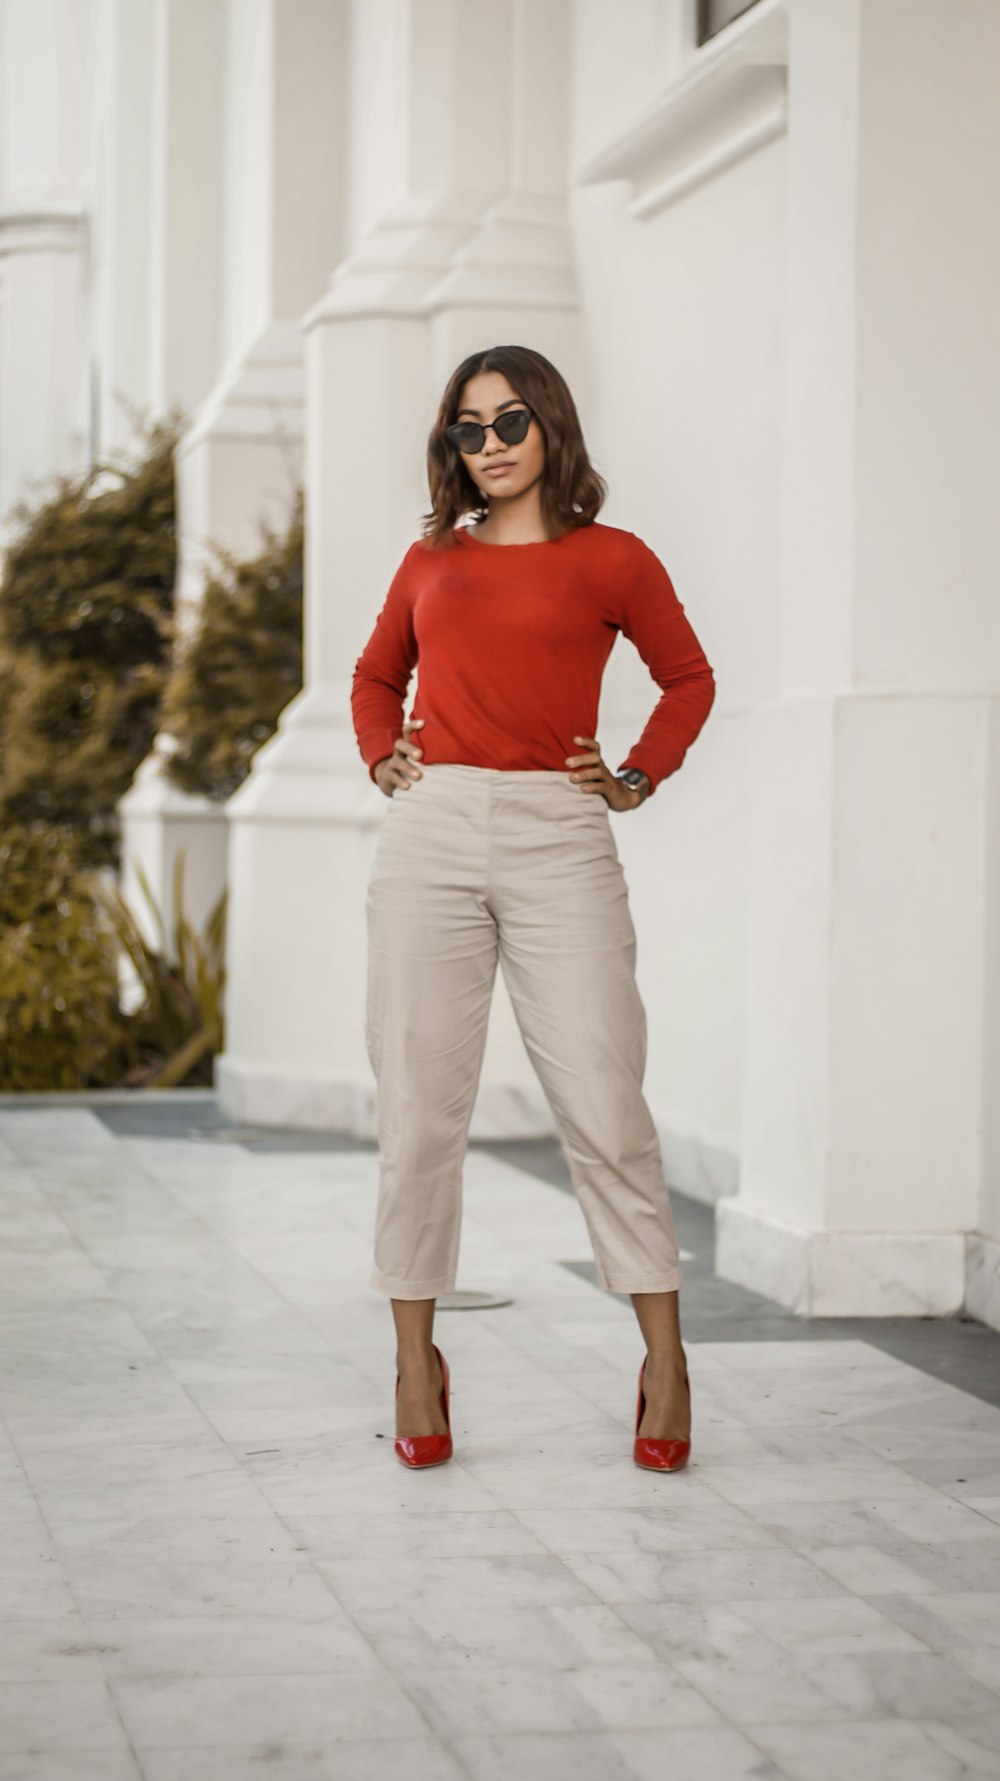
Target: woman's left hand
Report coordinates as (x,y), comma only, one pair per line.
(595,777)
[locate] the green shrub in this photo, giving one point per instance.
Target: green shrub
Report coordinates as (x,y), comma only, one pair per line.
(62,1024)
(86,601)
(178,1027)
(241,666)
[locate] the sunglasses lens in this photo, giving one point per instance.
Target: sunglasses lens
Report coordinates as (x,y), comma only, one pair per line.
(512,427)
(467,435)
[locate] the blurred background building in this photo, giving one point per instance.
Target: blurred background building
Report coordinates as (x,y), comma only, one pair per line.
(762,241)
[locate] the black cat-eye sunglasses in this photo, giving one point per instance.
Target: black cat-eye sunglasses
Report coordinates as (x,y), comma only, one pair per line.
(510,428)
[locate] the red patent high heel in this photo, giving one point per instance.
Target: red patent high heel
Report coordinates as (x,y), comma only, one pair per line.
(428,1450)
(658,1455)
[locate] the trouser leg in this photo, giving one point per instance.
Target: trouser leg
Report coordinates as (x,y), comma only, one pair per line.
(432,951)
(568,953)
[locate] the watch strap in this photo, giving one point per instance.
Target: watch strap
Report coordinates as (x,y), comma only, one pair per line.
(637,779)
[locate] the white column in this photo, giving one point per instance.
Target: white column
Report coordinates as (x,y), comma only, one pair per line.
(185,42)
(187,198)
(46,56)
(278,128)
(457,239)
(873,959)
(121,263)
(982,1248)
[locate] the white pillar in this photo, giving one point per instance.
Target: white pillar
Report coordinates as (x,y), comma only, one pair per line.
(872,962)
(46,56)
(186,200)
(458,239)
(185,42)
(982,1248)
(121,263)
(277,135)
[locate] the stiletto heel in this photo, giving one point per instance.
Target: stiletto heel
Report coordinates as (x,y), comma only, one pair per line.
(658,1455)
(428,1450)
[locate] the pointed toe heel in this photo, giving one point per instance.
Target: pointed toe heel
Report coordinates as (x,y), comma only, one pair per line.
(658,1455)
(418,1451)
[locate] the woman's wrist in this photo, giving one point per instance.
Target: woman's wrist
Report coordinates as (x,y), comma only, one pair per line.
(637,781)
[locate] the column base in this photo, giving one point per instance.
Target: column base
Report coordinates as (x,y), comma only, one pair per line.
(982,1278)
(842,1273)
(158,822)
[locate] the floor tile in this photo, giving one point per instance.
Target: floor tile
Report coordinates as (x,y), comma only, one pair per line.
(694,1753)
(433,1533)
(663,1528)
(251,1644)
(56,1650)
(460,1636)
(519,1580)
(485,1701)
(867,1751)
(69,1765)
(767,1571)
(202,1711)
(59,1716)
(423,1759)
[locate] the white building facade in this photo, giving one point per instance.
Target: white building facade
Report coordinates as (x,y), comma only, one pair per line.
(768,264)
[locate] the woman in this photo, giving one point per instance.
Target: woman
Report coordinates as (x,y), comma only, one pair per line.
(502,848)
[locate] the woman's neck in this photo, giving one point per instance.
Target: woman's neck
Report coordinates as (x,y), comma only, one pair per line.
(517,521)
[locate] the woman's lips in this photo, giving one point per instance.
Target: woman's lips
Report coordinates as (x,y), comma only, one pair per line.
(498,469)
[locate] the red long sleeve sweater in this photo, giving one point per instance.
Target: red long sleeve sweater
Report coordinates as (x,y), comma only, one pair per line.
(512,641)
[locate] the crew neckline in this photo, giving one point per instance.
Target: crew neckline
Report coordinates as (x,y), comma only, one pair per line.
(490,544)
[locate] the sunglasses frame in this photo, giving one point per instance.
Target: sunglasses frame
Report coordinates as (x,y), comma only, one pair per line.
(471,451)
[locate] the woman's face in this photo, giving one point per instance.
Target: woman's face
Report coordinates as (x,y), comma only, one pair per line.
(500,471)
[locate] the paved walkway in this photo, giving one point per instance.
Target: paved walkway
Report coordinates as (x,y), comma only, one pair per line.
(214,1567)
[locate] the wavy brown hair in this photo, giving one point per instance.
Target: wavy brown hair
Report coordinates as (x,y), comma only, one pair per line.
(572,491)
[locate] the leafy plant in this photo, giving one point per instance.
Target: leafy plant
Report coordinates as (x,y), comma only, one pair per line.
(241,666)
(178,1027)
(63,931)
(60,1026)
(86,632)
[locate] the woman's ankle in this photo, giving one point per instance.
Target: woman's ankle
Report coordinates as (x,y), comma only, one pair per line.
(417,1361)
(666,1361)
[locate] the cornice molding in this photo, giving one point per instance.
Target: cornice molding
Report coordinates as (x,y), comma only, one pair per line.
(731,100)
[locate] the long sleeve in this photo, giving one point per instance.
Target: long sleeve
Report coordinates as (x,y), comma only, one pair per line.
(382,672)
(653,618)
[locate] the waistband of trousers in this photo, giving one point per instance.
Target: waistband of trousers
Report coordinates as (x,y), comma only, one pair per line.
(541,777)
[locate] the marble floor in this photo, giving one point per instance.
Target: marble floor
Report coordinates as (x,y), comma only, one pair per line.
(214,1568)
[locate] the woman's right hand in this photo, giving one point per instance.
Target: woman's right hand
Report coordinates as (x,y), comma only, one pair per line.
(395,769)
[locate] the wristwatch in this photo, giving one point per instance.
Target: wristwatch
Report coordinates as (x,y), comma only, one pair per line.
(638,780)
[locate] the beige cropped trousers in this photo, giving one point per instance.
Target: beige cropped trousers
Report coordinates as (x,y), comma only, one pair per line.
(475,864)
